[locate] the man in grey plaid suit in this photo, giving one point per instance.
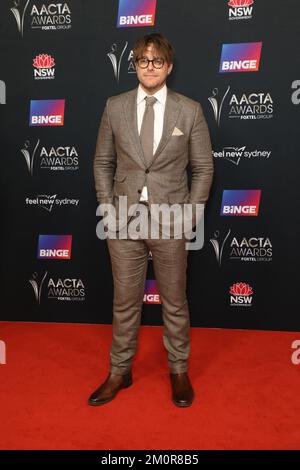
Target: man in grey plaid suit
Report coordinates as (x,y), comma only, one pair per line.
(147,138)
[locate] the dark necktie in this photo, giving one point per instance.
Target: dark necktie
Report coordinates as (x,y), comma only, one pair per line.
(147,129)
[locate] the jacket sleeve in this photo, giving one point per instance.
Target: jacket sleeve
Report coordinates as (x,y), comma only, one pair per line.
(201,160)
(105,159)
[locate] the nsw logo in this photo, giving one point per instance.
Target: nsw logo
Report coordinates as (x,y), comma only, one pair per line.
(241,294)
(43,67)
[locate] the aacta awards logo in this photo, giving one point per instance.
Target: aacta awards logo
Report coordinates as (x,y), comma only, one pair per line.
(36,283)
(116,56)
(43,67)
(19,10)
(66,289)
(217,103)
(243,106)
(56,288)
(252,249)
(136,13)
(259,105)
(60,158)
(240,9)
(54,16)
(241,295)
(244,249)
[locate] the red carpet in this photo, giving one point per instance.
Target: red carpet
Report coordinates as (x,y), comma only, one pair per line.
(246,387)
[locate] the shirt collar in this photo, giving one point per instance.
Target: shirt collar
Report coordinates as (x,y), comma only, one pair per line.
(160,95)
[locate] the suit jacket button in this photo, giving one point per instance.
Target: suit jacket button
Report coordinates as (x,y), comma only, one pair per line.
(147,171)
(139,190)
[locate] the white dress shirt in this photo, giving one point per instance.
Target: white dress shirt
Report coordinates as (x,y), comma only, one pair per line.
(159,110)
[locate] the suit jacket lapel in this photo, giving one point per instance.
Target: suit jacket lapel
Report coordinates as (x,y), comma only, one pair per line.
(172,110)
(130,113)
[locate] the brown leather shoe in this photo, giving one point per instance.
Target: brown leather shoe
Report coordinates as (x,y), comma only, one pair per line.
(182,390)
(109,389)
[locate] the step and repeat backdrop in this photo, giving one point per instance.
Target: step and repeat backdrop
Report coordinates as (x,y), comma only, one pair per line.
(60,61)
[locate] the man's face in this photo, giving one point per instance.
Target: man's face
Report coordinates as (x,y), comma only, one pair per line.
(151,78)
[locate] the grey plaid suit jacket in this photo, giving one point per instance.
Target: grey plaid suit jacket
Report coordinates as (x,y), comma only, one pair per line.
(119,165)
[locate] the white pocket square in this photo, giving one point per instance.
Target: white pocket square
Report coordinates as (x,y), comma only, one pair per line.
(177,131)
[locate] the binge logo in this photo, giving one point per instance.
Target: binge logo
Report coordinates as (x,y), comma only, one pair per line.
(54,246)
(47,112)
(240,202)
(241,57)
(151,294)
(136,13)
